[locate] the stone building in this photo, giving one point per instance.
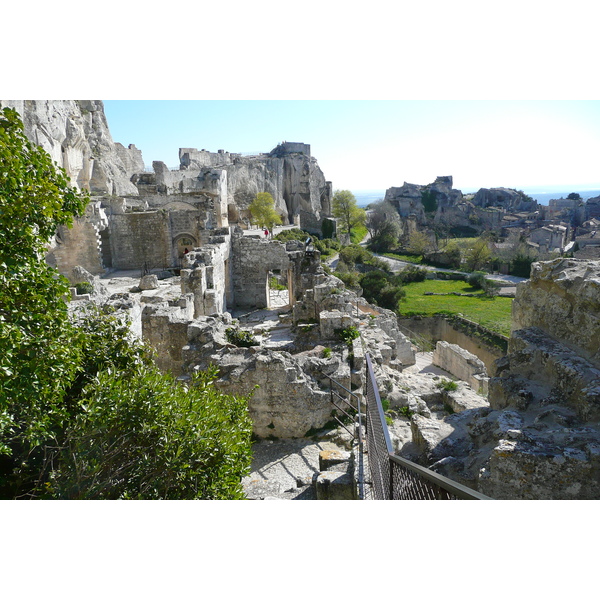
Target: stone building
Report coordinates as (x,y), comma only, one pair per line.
(141,220)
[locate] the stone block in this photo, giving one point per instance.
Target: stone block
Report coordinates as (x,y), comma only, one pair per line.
(332,485)
(334,460)
(462,364)
(148,282)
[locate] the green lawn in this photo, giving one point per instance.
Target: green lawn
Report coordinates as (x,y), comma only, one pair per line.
(357,234)
(493,313)
(417,260)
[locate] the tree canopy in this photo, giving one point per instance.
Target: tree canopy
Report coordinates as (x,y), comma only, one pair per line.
(263,211)
(345,209)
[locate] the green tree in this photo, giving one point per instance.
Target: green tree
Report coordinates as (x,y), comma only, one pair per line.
(38,359)
(419,243)
(263,211)
(478,255)
(383,223)
(73,391)
(345,209)
(429,201)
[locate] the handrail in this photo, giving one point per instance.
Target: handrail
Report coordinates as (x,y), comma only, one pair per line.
(395,477)
(462,492)
(361,477)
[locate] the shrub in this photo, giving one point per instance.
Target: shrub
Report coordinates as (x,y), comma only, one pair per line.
(326,352)
(348,334)
(412,274)
(240,337)
(275,285)
(145,436)
(476,279)
(447,385)
(382,288)
(85,287)
(292,234)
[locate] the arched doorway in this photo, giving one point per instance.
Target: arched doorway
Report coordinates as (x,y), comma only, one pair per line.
(182,244)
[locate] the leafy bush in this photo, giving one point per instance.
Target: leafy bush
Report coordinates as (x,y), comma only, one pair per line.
(351,279)
(275,285)
(476,279)
(382,288)
(447,385)
(240,337)
(348,334)
(479,281)
(292,234)
(145,436)
(326,352)
(405,411)
(411,274)
(85,287)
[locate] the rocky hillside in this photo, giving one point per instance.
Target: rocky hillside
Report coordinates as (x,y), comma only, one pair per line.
(75,133)
(540,436)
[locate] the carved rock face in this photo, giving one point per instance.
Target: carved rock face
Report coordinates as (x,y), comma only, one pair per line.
(75,133)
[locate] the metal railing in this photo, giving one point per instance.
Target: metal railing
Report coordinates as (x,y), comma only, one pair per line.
(349,407)
(394,477)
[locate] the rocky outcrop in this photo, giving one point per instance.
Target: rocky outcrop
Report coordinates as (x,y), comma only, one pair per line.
(408,199)
(76,135)
(505,198)
(288,173)
(540,436)
(562,298)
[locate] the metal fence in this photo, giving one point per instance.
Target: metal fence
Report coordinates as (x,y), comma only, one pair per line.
(393,477)
(347,411)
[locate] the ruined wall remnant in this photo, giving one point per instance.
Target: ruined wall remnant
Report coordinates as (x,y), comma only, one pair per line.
(562,298)
(79,245)
(540,436)
(207,274)
(164,327)
(462,364)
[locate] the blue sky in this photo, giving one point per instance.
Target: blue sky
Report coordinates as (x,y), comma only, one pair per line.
(372,144)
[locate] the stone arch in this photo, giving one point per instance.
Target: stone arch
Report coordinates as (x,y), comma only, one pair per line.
(183,242)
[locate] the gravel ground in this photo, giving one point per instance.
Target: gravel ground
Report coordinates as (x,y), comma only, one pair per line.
(284,469)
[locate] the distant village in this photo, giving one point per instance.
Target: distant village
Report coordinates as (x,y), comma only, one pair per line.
(567,226)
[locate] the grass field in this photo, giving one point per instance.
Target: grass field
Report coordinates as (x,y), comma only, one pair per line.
(493,313)
(417,260)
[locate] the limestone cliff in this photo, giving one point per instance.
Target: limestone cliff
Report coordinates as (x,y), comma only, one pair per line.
(75,133)
(289,173)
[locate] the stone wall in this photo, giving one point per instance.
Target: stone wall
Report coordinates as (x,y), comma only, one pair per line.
(462,364)
(435,329)
(139,239)
(251,262)
(562,298)
(77,246)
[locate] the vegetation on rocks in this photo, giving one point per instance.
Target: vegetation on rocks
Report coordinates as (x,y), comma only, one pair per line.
(84,411)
